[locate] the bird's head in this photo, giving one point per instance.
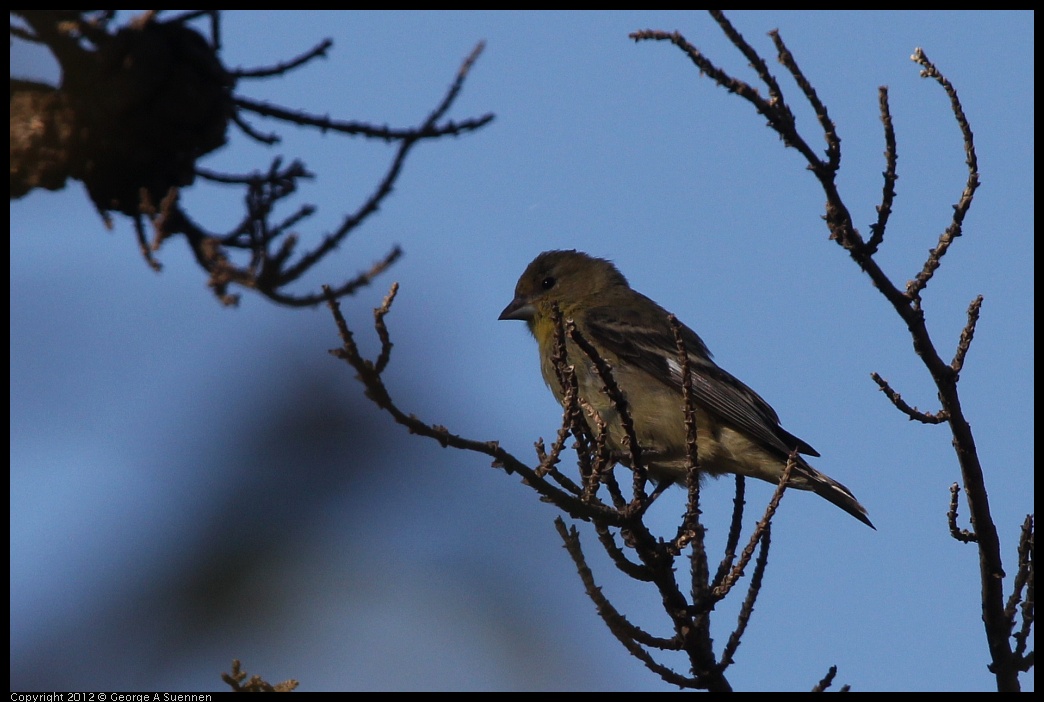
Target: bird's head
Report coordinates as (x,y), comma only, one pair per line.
(568,278)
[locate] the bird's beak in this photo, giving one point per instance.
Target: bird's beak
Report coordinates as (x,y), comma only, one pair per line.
(519,308)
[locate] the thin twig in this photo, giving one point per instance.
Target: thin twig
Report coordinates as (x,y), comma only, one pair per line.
(378,393)
(719,592)
(619,402)
(828,680)
(915,286)
(747,609)
(626,633)
(967,334)
(319,50)
(912,412)
(962,535)
(891,154)
(833,141)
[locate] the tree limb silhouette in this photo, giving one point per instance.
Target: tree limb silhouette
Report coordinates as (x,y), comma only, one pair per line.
(140,104)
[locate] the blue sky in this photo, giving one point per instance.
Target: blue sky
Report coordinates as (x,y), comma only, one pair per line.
(191,483)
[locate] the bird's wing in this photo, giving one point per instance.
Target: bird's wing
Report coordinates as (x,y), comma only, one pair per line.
(651,346)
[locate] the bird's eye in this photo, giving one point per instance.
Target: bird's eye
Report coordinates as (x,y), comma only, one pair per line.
(548,283)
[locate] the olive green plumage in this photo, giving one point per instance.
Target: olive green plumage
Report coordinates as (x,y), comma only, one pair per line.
(737,431)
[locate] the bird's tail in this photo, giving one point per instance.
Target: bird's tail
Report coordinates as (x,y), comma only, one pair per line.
(805,477)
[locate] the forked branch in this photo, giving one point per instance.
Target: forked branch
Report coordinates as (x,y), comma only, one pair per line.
(907,302)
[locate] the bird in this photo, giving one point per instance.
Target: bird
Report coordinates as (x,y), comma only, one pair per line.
(738,432)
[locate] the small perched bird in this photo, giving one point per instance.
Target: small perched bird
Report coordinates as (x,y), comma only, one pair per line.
(737,431)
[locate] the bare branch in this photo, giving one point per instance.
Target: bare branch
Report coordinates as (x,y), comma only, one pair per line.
(962,535)
(692,474)
(616,397)
(635,571)
(250,131)
(747,609)
(382,329)
(828,680)
(752,56)
(624,631)
(967,334)
(912,412)
(375,389)
(955,229)
(107,124)
(833,141)
(364,129)
(256,683)
(638,552)
(735,529)
(1022,595)
(760,532)
(891,154)
(318,51)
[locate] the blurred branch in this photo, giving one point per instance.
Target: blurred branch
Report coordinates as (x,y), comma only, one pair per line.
(140,104)
(255,683)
